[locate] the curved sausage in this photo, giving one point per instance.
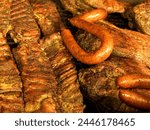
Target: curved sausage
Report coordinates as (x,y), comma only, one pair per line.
(81,55)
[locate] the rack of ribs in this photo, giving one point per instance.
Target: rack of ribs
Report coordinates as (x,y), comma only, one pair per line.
(11,95)
(68,92)
(38,79)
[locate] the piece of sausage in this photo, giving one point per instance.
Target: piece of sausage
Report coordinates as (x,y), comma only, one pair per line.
(81,55)
(135,99)
(134,81)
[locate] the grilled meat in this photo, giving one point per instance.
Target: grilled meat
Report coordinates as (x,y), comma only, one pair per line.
(46,15)
(141,17)
(41,91)
(79,6)
(68,92)
(137,15)
(4,17)
(11,96)
(98,83)
(47,71)
(37,76)
(133,2)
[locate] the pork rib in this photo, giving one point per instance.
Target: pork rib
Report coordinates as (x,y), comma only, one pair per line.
(37,76)
(68,92)
(11,96)
(47,16)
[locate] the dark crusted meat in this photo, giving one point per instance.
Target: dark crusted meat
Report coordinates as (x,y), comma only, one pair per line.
(98,83)
(47,16)
(68,92)
(42,93)
(4,17)
(142,17)
(37,76)
(11,97)
(79,6)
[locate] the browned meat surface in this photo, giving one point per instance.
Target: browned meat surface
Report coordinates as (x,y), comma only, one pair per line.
(37,76)
(141,17)
(4,16)
(133,2)
(11,98)
(79,6)
(47,16)
(98,83)
(68,92)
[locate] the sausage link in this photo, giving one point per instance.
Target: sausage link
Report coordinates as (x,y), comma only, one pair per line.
(134,81)
(81,55)
(134,99)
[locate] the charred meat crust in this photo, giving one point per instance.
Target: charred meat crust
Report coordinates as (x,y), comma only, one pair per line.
(141,17)
(46,15)
(37,77)
(68,92)
(78,6)
(11,95)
